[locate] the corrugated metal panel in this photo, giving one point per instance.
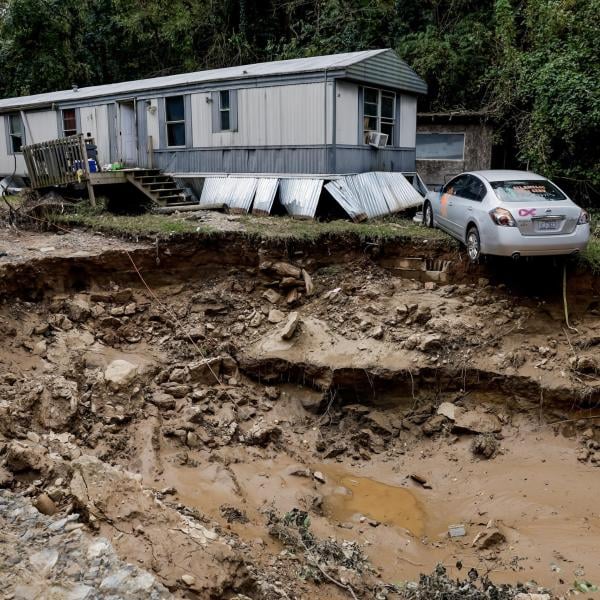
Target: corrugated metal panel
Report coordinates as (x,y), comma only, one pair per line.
(213,192)
(342,195)
(266,190)
(235,192)
(374,194)
(312,160)
(300,197)
(280,67)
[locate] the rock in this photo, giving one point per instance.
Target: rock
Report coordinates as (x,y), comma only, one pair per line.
(475,421)
(78,310)
(379,422)
(308,283)
(120,374)
(22,457)
(58,402)
(290,326)
(430,342)
(376,332)
(292,296)
(289,282)
(262,435)
(488,538)
(215,309)
(179,375)
(531,596)
(256,319)
(275,316)
(420,480)
(584,364)
(485,445)
(433,425)
(162,400)
(189,580)
(272,296)
(448,410)
(177,390)
(206,371)
(32,436)
(318,476)
(45,505)
(284,269)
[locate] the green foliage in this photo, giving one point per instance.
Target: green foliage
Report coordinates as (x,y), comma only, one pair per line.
(531,64)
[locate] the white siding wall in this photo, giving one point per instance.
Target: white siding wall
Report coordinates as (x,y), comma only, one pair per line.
(94,120)
(7,163)
(408,121)
(347,113)
(41,126)
(270,116)
(153,122)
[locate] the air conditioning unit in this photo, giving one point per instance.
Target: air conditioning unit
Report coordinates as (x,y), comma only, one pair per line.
(376,139)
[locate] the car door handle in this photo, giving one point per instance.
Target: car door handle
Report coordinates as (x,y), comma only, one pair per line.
(450,203)
(470,208)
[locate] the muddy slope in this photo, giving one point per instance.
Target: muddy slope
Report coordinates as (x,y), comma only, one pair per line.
(273,422)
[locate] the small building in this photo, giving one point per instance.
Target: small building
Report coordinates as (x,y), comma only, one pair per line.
(320,116)
(448,143)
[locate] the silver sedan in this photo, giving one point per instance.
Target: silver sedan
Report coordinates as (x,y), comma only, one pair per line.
(508,213)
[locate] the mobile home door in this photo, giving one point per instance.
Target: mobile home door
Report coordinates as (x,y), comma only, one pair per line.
(128,146)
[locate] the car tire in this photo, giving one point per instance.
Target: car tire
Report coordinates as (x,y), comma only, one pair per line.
(473,244)
(428,215)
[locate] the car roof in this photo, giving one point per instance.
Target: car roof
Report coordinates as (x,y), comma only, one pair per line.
(506,175)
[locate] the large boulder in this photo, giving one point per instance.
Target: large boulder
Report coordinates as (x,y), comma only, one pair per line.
(120,373)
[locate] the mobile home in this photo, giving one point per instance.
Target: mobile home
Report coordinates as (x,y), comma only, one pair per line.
(322,116)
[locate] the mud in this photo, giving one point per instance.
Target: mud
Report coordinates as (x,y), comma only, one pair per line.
(170,412)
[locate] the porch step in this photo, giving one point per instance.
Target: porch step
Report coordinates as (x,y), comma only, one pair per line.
(162,189)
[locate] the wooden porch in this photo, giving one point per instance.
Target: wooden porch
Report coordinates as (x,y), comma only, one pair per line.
(65,161)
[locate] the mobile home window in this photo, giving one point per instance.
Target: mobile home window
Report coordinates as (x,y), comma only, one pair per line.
(440,146)
(225,110)
(379,113)
(15,133)
(69,122)
(175,113)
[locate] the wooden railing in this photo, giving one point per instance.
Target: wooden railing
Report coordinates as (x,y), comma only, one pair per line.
(59,162)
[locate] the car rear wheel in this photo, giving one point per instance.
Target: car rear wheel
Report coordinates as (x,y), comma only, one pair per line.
(428,215)
(473,244)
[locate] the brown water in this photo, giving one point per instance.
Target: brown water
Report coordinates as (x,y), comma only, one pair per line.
(354,496)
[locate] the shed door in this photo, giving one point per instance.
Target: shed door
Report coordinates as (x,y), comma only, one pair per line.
(128,151)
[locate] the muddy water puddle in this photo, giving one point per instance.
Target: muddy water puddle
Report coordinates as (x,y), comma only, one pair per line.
(352,497)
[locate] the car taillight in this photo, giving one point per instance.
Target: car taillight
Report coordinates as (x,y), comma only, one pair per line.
(502,217)
(584,218)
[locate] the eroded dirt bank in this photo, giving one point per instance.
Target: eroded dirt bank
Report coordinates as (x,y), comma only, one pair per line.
(295,422)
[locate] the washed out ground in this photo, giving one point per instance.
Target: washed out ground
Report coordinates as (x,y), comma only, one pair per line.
(268,421)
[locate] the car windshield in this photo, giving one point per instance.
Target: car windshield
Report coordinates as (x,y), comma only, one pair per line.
(527,191)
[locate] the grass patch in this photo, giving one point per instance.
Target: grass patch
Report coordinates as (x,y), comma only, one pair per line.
(146,224)
(389,229)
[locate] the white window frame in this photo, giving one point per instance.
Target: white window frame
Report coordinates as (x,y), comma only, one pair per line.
(12,134)
(380,118)
(224,110)
(177,122)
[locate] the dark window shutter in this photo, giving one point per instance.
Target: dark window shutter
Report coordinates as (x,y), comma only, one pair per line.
(216,122)
(233,104)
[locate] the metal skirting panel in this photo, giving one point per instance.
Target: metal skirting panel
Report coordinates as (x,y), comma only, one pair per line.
(266,189)
(300,197)
(374,194)
(244,160)
(361,159)
(234,192)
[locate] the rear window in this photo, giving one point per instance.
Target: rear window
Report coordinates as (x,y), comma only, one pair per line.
(518,191)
